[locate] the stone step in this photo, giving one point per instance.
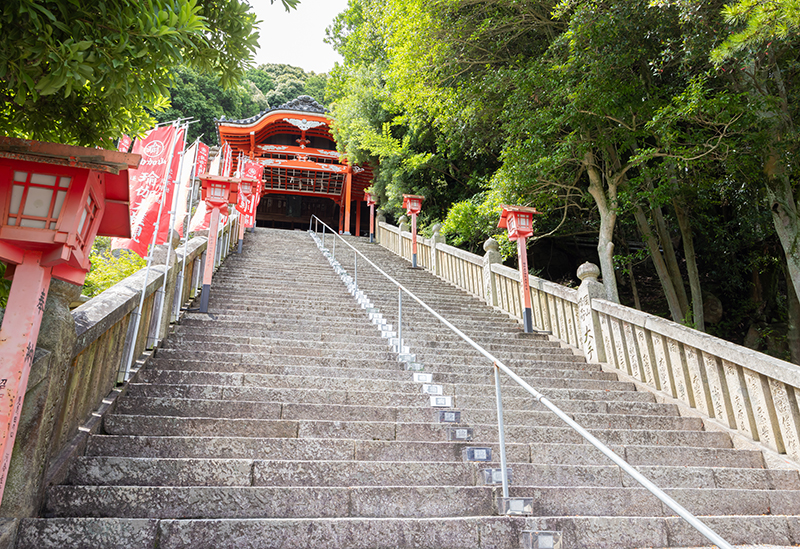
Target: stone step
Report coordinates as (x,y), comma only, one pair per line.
(651,532)
(359,397)
(127,424)
(378,450)
(343,533)
(397,501)
(193,407)
(269,502)
(407,385)
(280,363)
(123,471)
(204,373)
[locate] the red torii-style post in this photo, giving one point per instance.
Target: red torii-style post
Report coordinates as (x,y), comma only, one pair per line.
(54,200)
(519,222)
(217,191)
(348,189)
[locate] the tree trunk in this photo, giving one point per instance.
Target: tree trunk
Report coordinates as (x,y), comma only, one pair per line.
(793,333)
(691,265)
(671,259)
(787,224)
(607,206)
(661,267)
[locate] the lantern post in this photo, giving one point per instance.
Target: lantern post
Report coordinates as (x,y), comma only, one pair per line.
(413,204)
(54,200)
(371,203)
(217,191)
(518,220)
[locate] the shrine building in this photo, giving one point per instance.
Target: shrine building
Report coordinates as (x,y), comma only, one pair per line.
(304,175)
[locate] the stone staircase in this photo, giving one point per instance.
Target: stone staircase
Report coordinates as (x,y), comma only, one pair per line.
(283,419)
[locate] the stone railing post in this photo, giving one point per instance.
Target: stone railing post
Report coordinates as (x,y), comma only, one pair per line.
(492,255)
(436,239)
(404,228)
(403,224)
(591,335)
(159,326)
(380,217)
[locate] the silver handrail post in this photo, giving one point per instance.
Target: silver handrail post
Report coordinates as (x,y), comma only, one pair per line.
(324,228)
(334,246)
(501,429)
(355,269)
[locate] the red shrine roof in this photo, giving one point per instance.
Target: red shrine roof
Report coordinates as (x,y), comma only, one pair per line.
(295,145)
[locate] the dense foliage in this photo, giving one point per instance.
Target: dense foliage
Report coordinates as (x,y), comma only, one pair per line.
(664,128)
(83,72)
(194,94)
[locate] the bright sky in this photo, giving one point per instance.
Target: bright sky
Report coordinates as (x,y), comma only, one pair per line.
(296,38)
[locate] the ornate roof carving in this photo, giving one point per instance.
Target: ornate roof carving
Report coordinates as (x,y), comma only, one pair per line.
(303,103)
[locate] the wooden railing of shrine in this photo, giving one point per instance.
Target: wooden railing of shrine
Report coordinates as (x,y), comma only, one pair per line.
(744,390)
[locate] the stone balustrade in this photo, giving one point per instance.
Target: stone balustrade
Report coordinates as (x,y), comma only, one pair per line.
(750,392)
(78,364)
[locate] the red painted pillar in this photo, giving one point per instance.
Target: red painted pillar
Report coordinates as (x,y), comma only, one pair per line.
(18,336)
(527,315)
(348,187)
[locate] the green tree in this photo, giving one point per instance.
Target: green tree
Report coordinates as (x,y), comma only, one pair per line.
(84,72)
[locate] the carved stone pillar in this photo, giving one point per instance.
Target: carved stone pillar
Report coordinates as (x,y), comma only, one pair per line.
(591,334)
(492,255)
(436,239)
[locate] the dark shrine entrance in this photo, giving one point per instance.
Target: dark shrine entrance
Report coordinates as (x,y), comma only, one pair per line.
(304,175)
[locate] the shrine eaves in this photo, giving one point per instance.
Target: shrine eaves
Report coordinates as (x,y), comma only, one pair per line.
(303,172)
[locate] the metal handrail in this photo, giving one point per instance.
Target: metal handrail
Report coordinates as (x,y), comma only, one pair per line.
(697,524)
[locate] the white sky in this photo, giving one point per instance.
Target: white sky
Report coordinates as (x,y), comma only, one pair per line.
(296,38)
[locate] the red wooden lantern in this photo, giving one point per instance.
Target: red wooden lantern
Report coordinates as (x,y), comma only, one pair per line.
(54,200)
(412,203)
(218,192)
(518,220)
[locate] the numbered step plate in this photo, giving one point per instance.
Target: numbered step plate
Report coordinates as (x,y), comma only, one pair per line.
(541,540)
(447,416)
(515,506)
(414,366)
(477,454)
(430,389)
(495,476)
(442,401)
(459,433)
(423,378)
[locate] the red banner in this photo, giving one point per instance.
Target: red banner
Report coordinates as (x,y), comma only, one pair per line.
(147,187)
(252,171)
(202,217)
(202,159)
(124,144)
(227,160)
